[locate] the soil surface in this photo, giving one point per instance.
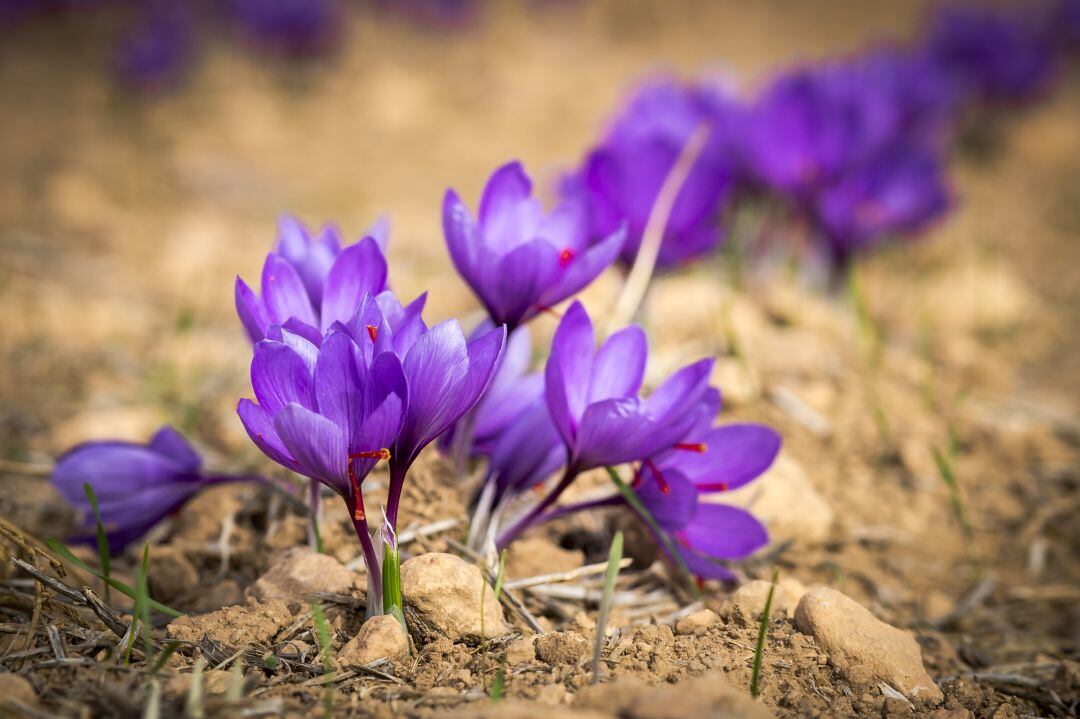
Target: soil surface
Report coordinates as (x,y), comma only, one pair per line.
(124,220)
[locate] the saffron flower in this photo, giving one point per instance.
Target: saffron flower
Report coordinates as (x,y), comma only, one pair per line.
(381,387)
(517,260)
(290,27)
(593,395)
(620,179)
(310,282)
(593,401)
(894,195)
(158,49)
(675,486)
(991,55)
(137,485)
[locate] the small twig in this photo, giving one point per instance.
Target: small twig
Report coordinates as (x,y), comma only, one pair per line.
(651,239)
(792,405)
(26,469)
(568,576)
(55,641)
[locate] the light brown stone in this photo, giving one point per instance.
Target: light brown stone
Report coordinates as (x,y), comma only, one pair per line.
(862,646)
(446,594)
(16,691)
(750,598)
(302,571)
(380,637)
(520,651)
(556,648)
(697,622)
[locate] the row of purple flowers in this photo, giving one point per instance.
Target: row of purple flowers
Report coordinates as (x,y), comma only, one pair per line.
(346,376)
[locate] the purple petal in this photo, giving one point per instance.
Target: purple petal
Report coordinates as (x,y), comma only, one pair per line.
(260,427)
(734,455)
(407,323)
(358,270)
(670,497)
(284,292)
(702,566)
(436,368)
(251,311)
(519,280)
(338,391)
(507,188)
(685,386)
(170,443)
(724,532)
(302,329)
(302,346)
(317,444)
(484,355)
(462,238)
(113,469)
(585,268)
(569,369)
(613,431)
(280,376)
(380,232)
(620,365)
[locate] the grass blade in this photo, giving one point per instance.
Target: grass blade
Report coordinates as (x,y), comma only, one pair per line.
(58,547)
(499,682)
(193,704)
(102,537)
(322,634)
(759,648)
(152,710)
(142,600)
(635,503)
(945,469)
(611,575)
(499,576)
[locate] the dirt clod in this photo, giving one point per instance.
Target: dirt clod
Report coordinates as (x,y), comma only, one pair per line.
(521,650)
(445,593)
(862,646)
(379,637)
(236,626)
(697,623)
(16,691)
(556,648)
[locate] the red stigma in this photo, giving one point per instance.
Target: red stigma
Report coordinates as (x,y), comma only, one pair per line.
(358,513)
(373,454)
(714,487)
(681,536)
(566,257)
(699,447)
(553,313)
(700,582)
(372,332)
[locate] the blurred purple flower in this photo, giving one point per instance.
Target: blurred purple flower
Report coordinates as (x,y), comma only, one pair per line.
(898,193)
(136,485)
(157,51)
(440,14)
(291,27)
(524,453)
(311,282)
(988,54)
(593,395)
(620,179)
(517,260)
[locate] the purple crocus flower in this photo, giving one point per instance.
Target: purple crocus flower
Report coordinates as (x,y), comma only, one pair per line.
(593,395)
(311,282)
(593,401)
(517,260)
(291,27)
(524,453)
(991,55)
(621,178)
(673,485)
(137,485)
(898,193)
(158,49)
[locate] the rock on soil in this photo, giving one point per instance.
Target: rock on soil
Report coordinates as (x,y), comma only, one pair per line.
(237,626)
(171,575)
(750,598)
(710,695)
(444,594)
(379,637)
(215,682)
(697,622)
(301,571)
(521,650)
(556,648)
(862,646)
(16,692)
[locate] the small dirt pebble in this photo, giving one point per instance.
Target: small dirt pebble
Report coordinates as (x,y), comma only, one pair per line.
(556,648)
(697,622)
(444,593)
(379,637)
(302,571)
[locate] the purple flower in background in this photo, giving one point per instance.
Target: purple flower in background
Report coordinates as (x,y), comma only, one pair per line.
(292,27)
(991,54)
(621,178)
(441,14)
(158,49)
(593,395)
(311,282)
(673,487)
(136,485)
(1064,25)
(895,194)
(524,453)
(518,260)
